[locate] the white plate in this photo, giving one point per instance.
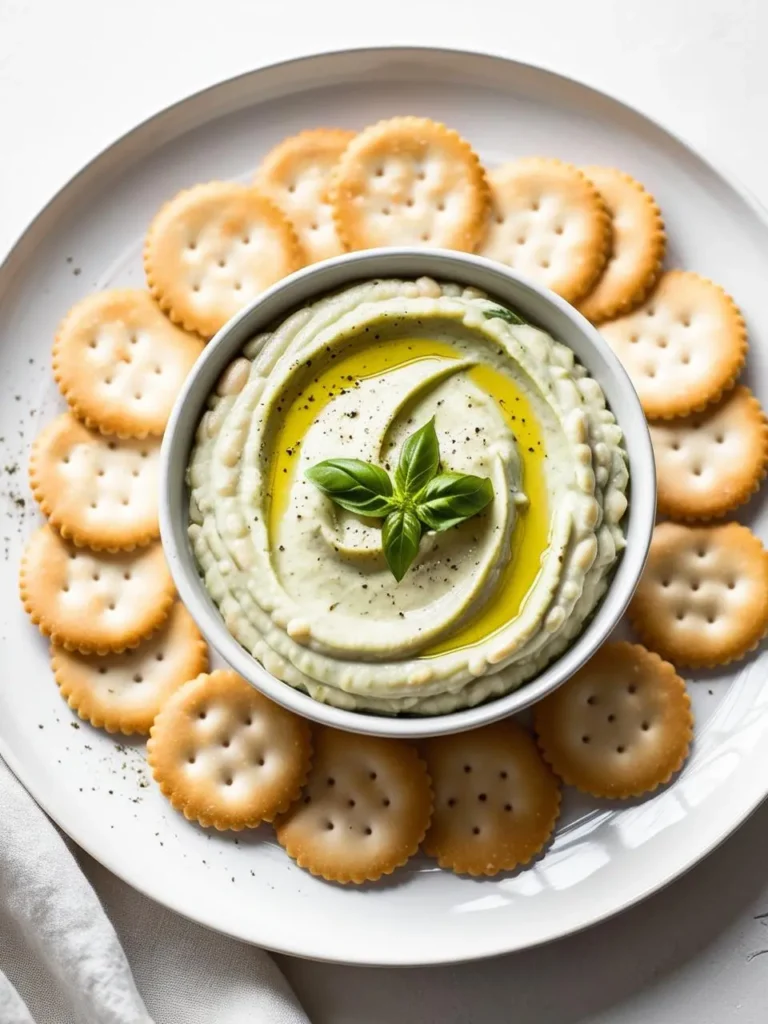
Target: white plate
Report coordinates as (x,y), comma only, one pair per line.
(604,857)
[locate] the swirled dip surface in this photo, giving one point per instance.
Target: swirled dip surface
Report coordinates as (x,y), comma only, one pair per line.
(304,586)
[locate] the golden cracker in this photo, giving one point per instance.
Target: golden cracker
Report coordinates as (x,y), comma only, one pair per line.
(90,601)
(496,802)
(410,181)
(214,248)
(364,810)
(620,727)
(548,222)
(120,363)
(710,462)
(703,597)
(97,490)
(637,245)
(683,348)
(225,755)
(124,692)
(296,175)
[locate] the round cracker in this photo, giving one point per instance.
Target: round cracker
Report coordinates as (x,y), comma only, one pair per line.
(124,692)
(683,348)
(710,462)
(496,802)
(97,490)
(620,727)
(225,755)
(214,248)
(364,811)
(703,597)
(410,181)
(637,245)
(549,222)
(90,601)
(120,363)
(296,175)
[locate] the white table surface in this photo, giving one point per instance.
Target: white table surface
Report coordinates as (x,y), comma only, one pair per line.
(74,74)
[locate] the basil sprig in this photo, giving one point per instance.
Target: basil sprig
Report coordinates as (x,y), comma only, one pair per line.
(421,498)
(502,313)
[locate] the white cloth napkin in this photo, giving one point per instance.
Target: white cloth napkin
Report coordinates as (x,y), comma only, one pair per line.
(61,961)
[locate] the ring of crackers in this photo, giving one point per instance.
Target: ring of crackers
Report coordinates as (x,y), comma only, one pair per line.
(496,801)
(214,248)
(702,600)
(124,692)
(93,602)
(620,727)
(296,175)
(637,245)
(683,347)
(120,363)
(364,811)
(548,221)
(710,462)
(410,181)
(97,490)
(226,756)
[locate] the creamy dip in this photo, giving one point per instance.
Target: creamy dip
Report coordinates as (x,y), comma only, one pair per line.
(304,586)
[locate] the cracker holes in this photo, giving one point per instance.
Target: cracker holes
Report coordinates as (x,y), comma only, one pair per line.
(260,762)
(685,321)
(467,768)
(133,339)
(350,803)
(632,688)
(650,312)
(662,342)
(92,343)
(665,583)
(507,807)
(202,715)
(386,802)
(111,606)
(386,211)
(144,453)
(425,236)
(680,615)
(409,202)
(102,670)
(372,776)
(329,826)
(695,585)
(367,831)
(96,577)
(535,205)
(314,227)
(379,172)
(228,781)
(99,472)
(702,552)
(503,775)
(159,656)
(191,759)
(221,263)
(238,285)
(330,782)
(685,358)
(620,749)
(111,445)
(138,677)
(475,831)
(246,240)
(559,229)
(592,700)
(441,207)
(65,460)
(482,797)
(634,338)
(292,187)
(697,470)
(195,287)
(585,739)
(192,245)
(611,719)
(452,801)
(731,584)
(645,726)
(520,239)
(544,264)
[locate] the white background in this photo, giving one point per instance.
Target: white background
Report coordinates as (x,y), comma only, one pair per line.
(75,74)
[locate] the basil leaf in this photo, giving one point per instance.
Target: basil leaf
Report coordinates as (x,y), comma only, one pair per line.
(400,536)
(502,313)
(419,460)
(451,498)
(354,485)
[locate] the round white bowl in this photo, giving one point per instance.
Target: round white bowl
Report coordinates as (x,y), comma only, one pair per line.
(536,304)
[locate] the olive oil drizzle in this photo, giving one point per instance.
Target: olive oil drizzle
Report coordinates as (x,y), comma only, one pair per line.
(531,533)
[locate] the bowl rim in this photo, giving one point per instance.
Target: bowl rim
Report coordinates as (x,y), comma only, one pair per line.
(309,284)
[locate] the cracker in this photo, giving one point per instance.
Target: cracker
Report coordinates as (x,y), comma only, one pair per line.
(637,245)
(710,462)
(496,802)
(364,811)
(410,181)
(120,363)
(683,348)
(620,727)
(214,248)
(549,222)
(225,755)
(703,597)
(97,490)
(124,692)
(296,175)
(90,601)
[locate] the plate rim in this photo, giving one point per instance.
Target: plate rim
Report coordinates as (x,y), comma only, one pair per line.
(14,254)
